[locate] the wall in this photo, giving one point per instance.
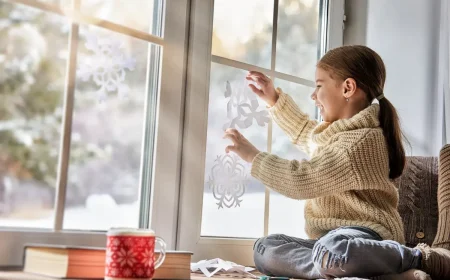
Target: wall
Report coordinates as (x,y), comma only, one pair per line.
(405,34)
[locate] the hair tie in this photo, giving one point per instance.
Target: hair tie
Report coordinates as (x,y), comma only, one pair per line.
(379,97)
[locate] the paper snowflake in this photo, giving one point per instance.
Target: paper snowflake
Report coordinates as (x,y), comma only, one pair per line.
(228,180)
(106,66)
(242,108)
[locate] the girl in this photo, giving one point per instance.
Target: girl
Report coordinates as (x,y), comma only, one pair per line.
(351,209)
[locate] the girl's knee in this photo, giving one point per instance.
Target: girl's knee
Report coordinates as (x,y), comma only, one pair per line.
(260,257)
(265,241)
(265,254)
(330,256)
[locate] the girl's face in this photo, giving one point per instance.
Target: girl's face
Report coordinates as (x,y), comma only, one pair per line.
(329,96)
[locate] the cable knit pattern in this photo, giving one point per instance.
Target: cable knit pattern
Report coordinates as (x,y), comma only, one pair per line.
(442,238)
(346,181)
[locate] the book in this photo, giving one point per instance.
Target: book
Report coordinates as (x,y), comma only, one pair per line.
(177,265)
(64,261)
(89,262)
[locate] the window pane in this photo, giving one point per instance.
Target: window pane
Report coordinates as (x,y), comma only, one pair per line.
(243,30)
(233,202)
(301,95)
(33,53)
(144,15)
(298,37)
(107,131)
(281,219)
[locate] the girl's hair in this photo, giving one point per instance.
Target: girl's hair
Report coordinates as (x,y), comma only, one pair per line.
(366,67)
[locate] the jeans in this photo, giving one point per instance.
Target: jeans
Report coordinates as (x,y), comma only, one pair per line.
(344,252)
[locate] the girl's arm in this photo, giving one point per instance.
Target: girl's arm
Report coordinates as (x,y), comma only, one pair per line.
(293,121)
(327,173)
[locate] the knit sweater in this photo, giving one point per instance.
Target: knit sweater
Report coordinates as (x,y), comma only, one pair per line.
(442,238)
(345,182)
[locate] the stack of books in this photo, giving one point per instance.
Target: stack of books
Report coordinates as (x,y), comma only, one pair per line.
(89,262)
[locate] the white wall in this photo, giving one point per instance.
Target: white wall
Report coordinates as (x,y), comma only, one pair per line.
(405,34)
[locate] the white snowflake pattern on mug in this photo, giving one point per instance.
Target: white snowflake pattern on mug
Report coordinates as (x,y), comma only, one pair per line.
(127,272)
(114,272)
(147,257)
(129,242)
(139,272)
(141,242)
(116,242)
(109,257)
(126,257)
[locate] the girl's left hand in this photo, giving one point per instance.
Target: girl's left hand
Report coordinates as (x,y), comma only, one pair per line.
(242,147)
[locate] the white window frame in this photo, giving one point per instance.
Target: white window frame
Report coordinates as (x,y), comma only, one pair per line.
(196,119)
(162,198)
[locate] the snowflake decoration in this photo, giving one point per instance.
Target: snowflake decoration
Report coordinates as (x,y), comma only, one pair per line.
(139,272)
(126,257)
(228,180)
(106,66)
(127,272)
(147,257)
(242,108)
(116,242)
(129,242)
(142,242)
(109,257)
(114,272)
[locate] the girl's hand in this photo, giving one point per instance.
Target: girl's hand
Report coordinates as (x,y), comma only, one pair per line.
(242,147)
(267,91)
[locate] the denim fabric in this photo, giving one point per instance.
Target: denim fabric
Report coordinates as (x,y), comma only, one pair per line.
(344,252)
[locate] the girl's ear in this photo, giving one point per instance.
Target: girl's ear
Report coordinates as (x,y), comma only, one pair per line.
(349,87)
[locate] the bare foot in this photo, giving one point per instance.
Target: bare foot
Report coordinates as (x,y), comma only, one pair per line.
(412,274)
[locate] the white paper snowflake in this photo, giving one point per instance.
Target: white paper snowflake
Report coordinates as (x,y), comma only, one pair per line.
(228,180)
(242,108)
(106,66)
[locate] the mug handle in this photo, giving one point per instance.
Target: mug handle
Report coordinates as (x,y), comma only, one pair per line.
(162,252)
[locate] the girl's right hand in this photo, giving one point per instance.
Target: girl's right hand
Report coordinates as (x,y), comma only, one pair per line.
(267,91)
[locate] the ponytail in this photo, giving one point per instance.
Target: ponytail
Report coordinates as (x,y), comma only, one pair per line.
(390,123)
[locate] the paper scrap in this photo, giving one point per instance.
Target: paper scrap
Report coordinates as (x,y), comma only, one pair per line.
(218,266)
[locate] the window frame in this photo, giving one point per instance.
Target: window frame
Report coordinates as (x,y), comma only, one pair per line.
(189,236)
(159,185)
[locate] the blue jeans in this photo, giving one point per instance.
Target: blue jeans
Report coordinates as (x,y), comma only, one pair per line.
(344,252)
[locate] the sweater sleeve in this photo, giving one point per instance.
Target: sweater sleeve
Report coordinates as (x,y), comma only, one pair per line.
(329,172)
(293,121)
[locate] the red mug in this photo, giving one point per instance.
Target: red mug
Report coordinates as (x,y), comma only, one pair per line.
(130,254)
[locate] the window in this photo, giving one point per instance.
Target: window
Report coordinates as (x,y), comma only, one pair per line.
(223,208)
(104,121)
(84,115)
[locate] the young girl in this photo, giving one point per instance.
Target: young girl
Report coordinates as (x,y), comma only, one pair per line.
(351,209)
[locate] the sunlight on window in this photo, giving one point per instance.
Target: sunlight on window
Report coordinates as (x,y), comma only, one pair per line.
(137,14)
(243,32)
(243,29)
(33,53)
(103,182)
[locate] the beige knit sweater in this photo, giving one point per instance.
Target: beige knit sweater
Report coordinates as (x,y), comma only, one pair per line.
(346,181)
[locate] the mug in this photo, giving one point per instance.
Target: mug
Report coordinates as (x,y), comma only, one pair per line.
(130,254)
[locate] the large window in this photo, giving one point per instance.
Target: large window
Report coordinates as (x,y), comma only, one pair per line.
(80,84)
(108,119)
(283,41)
(224,209)
(106,107)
